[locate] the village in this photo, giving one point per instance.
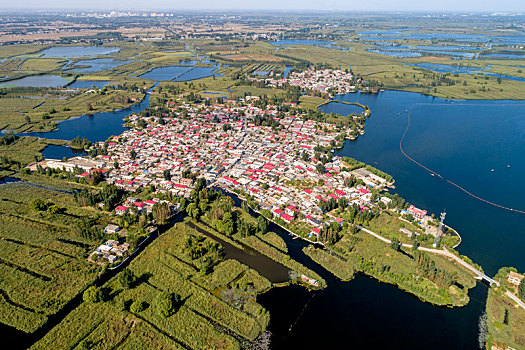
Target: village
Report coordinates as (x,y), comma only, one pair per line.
(283,164)
(331,81)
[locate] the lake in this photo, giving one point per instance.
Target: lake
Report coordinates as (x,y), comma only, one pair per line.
(95,127)
(181,73)
(88,84)
(37,81)
(96,65)
(364,313)
(463,141)
(77,51)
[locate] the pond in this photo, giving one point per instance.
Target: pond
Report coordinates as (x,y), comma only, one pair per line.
(400,54)
(96,65)
(77,51)
(88,84)
(37,81)
(181,73)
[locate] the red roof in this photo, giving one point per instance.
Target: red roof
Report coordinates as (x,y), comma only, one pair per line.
(316,230)
(362,190)
(139,204)
(278,211)
(339,192)
(121,208)
(287,217)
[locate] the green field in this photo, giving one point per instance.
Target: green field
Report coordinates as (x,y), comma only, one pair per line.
(218,310)
(42,255)
(366,254)
(505,320)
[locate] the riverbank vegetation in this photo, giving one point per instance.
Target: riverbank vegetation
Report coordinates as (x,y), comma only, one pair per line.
(505,320)
(216,308)
(431,278)
(43,253)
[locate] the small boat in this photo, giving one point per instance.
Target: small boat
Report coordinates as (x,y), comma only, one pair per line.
(491,169)
(508,165)
(432,174)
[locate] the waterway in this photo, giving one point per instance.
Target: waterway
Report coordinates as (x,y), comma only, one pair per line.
(476,144)
(463,141)
(364,313)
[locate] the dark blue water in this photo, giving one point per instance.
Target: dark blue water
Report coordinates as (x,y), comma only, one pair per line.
(366,314)
(287,71)
(503,56)
(95,127)
(181,73)
(339,109)
(59,152)
(165,73)
(446,68)
(198,73)
(88,84)
(447,47)
(395,53)
(463,141)
(77,51)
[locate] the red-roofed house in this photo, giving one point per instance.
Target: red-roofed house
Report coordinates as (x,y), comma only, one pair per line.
(121,210)
(278,212)
(291,210)
(287,218)
(418,213)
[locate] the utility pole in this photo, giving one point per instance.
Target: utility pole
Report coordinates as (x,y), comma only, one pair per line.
(437,240)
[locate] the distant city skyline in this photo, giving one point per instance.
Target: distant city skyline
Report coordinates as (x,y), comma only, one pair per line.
(327,5)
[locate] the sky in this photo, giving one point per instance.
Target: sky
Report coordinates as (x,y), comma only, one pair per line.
(327,5)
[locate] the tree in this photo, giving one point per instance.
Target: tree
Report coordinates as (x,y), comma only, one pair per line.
(394,243)
(127,279)
(166,304)
(136,307)
(166,174)
(193,211)
(262,225)
(227,224)
(161,213)
(91,295)
(320,168)
(521,290)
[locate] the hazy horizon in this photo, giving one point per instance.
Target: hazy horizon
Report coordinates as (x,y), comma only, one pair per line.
(227,5)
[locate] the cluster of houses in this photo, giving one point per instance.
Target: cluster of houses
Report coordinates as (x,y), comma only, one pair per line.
(278,165)
(111,252)
(334,81)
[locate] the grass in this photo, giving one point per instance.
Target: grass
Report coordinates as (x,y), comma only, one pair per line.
(341,269)
(206,318)
(42,257)
(504,332)
(44,112)
(26,149)
(366,254)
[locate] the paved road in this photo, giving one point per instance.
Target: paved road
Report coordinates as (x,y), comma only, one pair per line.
(443,252)
(516,299)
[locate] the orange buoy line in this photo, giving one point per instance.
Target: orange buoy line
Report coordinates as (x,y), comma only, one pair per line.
(437,174)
